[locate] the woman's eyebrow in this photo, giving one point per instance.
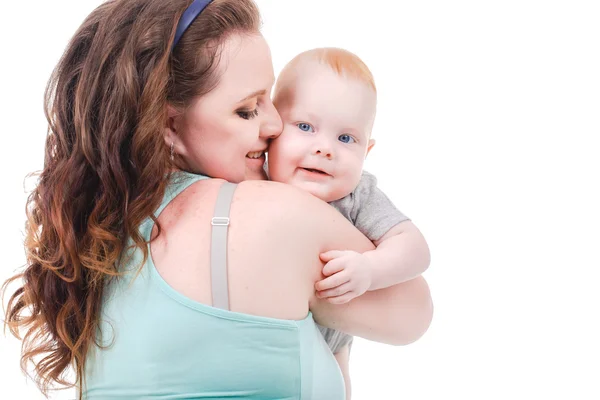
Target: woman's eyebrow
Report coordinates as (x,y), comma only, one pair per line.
(254,94)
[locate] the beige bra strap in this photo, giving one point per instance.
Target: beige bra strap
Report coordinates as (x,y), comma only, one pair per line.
(218,249)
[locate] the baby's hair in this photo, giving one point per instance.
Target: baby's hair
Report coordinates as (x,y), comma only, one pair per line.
(344,63)
(341,61)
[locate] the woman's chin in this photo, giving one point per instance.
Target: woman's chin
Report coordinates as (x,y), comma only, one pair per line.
(255,168)
(256,175)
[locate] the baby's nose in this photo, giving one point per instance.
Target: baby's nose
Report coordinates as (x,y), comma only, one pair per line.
(323,151)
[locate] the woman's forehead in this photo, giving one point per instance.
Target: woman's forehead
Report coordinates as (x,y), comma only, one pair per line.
(245,66)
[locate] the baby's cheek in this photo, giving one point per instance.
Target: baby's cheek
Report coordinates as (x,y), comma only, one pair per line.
(276,168)
(351,180)
(287,156)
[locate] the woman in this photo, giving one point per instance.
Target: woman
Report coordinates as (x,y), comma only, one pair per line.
(142,273)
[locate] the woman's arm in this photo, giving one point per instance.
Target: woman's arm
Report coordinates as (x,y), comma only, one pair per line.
(305,227)
(396,315)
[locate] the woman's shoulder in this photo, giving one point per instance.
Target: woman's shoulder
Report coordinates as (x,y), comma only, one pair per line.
(287,210)
(284,200)
(270,191)
(297,209)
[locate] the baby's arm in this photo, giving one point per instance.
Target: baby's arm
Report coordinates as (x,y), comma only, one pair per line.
(401,255)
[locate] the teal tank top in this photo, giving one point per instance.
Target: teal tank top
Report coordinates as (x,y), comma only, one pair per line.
(157,343)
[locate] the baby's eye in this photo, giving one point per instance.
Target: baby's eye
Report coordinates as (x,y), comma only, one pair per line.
(346,139)
(303,126)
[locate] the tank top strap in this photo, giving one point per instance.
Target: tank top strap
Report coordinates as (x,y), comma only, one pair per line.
(179,181)
(218,249)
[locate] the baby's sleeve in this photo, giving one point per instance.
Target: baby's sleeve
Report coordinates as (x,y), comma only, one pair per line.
(373,213)
(336,340)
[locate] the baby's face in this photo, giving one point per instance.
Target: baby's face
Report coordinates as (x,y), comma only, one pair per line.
(327,123)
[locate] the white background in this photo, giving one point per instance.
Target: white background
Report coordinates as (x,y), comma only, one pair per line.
(487,130)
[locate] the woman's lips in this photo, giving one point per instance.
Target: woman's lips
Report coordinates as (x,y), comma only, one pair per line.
(256,162)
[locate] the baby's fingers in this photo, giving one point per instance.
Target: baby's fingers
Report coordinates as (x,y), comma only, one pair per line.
(342,299)
(331,282)
(333,267)
(336,291)
(330,255)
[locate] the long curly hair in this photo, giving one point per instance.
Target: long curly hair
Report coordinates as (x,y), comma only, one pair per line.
(106,165)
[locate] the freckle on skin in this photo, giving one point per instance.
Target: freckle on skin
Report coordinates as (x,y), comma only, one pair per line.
(178,212)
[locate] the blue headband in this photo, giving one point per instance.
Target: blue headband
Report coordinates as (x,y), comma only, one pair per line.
(189,15)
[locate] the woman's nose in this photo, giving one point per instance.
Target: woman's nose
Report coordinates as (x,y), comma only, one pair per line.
(272,124)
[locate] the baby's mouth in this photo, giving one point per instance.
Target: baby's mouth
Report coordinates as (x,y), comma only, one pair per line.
(317,171)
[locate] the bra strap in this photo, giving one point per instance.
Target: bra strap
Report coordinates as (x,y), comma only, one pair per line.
(218,250)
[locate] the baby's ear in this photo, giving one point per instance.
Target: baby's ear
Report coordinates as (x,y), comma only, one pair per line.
(370,146)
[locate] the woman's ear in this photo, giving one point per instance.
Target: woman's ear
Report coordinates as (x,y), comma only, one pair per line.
(171,130)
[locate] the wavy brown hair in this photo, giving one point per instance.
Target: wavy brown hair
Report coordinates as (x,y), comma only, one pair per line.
(105,165)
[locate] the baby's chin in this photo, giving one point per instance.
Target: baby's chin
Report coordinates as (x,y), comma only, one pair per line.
(322,191)
(325,191)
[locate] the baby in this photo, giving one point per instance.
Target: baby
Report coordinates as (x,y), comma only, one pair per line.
(327,99)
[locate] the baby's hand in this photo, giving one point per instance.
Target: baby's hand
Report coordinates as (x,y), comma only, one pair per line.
(348,276)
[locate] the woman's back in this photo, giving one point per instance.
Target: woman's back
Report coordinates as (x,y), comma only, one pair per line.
(265,261)
(164,339)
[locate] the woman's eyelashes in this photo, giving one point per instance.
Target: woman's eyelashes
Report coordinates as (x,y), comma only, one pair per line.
(247,114)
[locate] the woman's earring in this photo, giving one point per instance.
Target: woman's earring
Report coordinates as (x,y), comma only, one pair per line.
(172,151)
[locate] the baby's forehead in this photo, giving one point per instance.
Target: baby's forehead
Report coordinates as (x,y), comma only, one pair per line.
(325,64)
(340,61)
(312,77)
(310,71)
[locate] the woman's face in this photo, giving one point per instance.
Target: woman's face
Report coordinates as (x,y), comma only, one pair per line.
(225,133)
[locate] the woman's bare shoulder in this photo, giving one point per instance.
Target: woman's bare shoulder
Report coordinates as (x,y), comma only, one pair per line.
(302,212)
(269,191)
